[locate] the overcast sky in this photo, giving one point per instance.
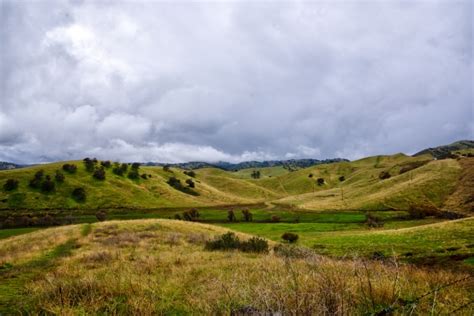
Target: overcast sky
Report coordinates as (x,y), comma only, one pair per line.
(232,80)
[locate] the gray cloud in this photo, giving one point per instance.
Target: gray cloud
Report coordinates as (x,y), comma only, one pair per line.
(161,81)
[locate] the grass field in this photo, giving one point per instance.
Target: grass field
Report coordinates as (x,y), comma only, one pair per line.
(161,267)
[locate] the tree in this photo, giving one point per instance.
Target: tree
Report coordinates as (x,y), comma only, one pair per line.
(101,216)
(191,215)
(47,185)
(133,174)
(144,176)
(384,175)
(10,185)
(106,164)
(117,169)
(290,237)
(310,175)
(59,176)
(320,181)
(37,180)
(255,174)
(190,173)
(135,165)
(231,216)
(190,183)
(79,194)
(342,178)
(70,168)
(99,174)
(166,168)
(247,215)
(90,164)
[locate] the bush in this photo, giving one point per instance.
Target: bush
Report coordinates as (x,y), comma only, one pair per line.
(191,215)
(255,174)
(177,216)
(384,175)
(247,215)
(254,244)
(117,169)
(190,183)
(70,168)
(37,180)
(59,176)
(79,194)
(310,175)
(10,185)
(144,176)
(176,183)
(290,237)
(133,174)
(106,164)
(90,164)
(342,178)
(320,181)
(101,216)
(228,241)
(47,185)
(99,174)
(231,216)
(190,173)
(166,168)
(135,166)
(124,167)
(373,221)
(275,218)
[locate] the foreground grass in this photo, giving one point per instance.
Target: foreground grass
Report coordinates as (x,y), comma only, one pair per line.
(160,267)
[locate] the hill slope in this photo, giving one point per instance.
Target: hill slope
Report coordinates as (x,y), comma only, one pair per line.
(441,152)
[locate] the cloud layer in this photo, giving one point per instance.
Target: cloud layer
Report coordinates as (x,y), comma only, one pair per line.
(180,81)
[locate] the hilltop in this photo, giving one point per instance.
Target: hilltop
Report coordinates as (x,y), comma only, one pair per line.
(445,151)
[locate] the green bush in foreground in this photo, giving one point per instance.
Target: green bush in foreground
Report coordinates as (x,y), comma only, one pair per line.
(230,241)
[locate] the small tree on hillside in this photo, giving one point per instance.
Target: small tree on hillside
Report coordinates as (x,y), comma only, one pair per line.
(247,215)
(190,183)
(231,216)
(70,168)
(342,178)
(320,181)
(79,194)
(90,164)
(384,175)
(106,164)
(255,174)
(10,185)
(47,185)
(99,174)
(290,237)
(59,176)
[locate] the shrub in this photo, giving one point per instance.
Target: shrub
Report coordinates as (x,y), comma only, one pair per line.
(101,216)
(135,166)
(59,176)
(10,185)
(227,241)
(89,164)
(144,176)
(290,237)
(79,194)
(47,185)
(176,183)
(275,218)
(117,169)
(99,174)
(70,168)
(37,180)
(177,216)
(231,216)
(106,164)
(254,244)
(310,175)
(247,215)
(190,183)
(191,215)
(190,173)
(124,167)
(342,178)
(384,175)
(373,221)
(320,181)
(255,174)
(166,168)
(133,174)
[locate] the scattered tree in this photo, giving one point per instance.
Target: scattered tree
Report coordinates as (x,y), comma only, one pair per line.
(342,178)
(135,166)
(191,215)
(166,168)
(190,183)
(10,185)
(90,164)
(247,215)
(37,180)
(310,175)
(47,185)
(99,174)
(190,173)
(384,175)
(79,194)
(255,174)
(320,181)
(59,176)
(70,168)
(290,237)
(144,176)
(231,216)
(133,174)
(106,164)
(101,216)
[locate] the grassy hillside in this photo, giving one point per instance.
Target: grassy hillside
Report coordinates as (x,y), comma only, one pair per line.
(418,181)
(161,267)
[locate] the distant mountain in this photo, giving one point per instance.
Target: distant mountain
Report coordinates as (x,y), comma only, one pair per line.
(9,165)
(445,151)
(291,164)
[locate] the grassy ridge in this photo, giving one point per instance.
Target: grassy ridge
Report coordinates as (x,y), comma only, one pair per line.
(430,184)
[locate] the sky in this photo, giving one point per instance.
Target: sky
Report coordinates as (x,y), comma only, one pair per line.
(232,81)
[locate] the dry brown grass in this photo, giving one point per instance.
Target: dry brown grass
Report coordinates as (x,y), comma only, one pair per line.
(160,267)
